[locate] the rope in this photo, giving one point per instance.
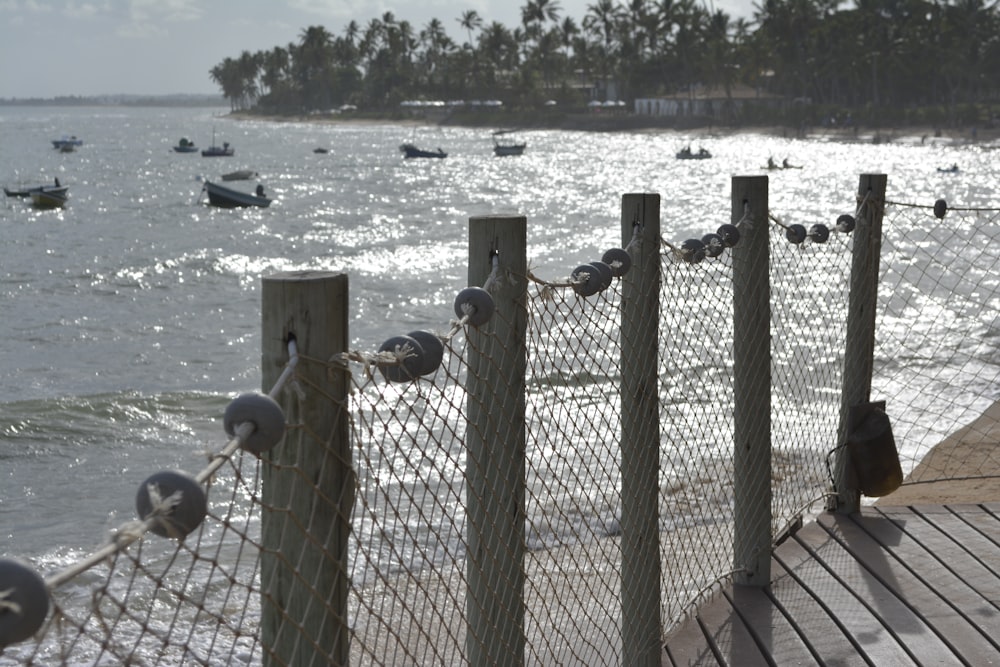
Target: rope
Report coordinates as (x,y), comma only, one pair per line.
(970,209)
(131,531)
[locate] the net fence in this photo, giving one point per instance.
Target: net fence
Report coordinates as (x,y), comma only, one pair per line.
(476,512)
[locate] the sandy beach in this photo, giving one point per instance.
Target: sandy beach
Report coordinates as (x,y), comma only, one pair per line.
(962,468)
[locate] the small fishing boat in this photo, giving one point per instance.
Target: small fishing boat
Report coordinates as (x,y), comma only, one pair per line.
(240,175)
(185,146)
(953,169)
(26,192)
(225,150)
(409,150)
(49,196)
(321,151)
(220,195)
(504,148)
(687,154)
(71,141)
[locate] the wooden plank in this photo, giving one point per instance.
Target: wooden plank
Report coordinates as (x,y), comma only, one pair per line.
(777,637)
(821,565)
(931,603)
(811,620)
(897,617)
(985,522)
(730,637)
(688,646)
(950,541)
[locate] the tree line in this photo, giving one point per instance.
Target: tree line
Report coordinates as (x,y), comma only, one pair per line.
(877,56)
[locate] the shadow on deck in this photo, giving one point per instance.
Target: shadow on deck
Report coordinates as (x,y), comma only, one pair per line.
(887,586)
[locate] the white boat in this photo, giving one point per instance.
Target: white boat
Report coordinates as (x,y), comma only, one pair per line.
(220,195)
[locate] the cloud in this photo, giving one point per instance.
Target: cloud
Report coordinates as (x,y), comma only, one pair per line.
(148,18)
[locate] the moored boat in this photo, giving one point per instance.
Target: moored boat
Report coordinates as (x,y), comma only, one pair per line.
(504,148)
(67,141)
(240,175)
(225,150)
(185,146)
(220,195)
(49,196)
(687,154)
(26,192)
(409,150)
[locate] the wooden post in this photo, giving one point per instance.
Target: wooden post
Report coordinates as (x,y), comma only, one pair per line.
(495,467)
(640,439)
(859,351)
(308,483)
(752,384)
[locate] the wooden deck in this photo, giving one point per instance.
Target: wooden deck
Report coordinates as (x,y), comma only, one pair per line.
(889,586)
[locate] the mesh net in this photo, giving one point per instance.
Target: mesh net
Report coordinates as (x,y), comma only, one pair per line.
(410,488)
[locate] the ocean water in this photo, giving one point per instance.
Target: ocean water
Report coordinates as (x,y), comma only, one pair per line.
(131,317)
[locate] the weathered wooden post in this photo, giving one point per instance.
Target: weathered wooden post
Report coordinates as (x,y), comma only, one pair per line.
(308,479)
(495,467)
(640,439)
(751,383)
(859,351)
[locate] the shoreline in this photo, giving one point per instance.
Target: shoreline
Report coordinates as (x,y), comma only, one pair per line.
(913,135)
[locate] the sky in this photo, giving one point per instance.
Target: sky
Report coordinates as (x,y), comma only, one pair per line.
(51,48)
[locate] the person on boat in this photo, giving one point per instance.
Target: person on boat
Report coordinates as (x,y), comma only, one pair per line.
(57,181)
(771,164)
(260,190)
(784,163)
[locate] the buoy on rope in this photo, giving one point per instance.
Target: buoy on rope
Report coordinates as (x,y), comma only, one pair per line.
(795,234)
(730,234)
(819,233)
(24,602)
(476,303)
(433,351)
(693,251)
(845,224)
(264,413)
(176,501)
(586,280)
(606,276)
(714,245)
(619,260)
(940,208)
(410,356)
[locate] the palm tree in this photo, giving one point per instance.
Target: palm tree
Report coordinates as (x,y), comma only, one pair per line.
(314,63)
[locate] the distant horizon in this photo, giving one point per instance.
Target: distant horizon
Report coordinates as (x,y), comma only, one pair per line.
(206,97)
(64,47)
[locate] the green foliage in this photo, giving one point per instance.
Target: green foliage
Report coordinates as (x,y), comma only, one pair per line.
(888,61)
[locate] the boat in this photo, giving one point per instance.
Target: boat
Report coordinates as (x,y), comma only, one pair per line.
(240,175)
(772,165)
(409,150)
(953,169)
(321,151)
(687,154)
(49,196)
(503,148)
(220,195)
(225,150)
(26,192)
(185,146)
(67,141)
